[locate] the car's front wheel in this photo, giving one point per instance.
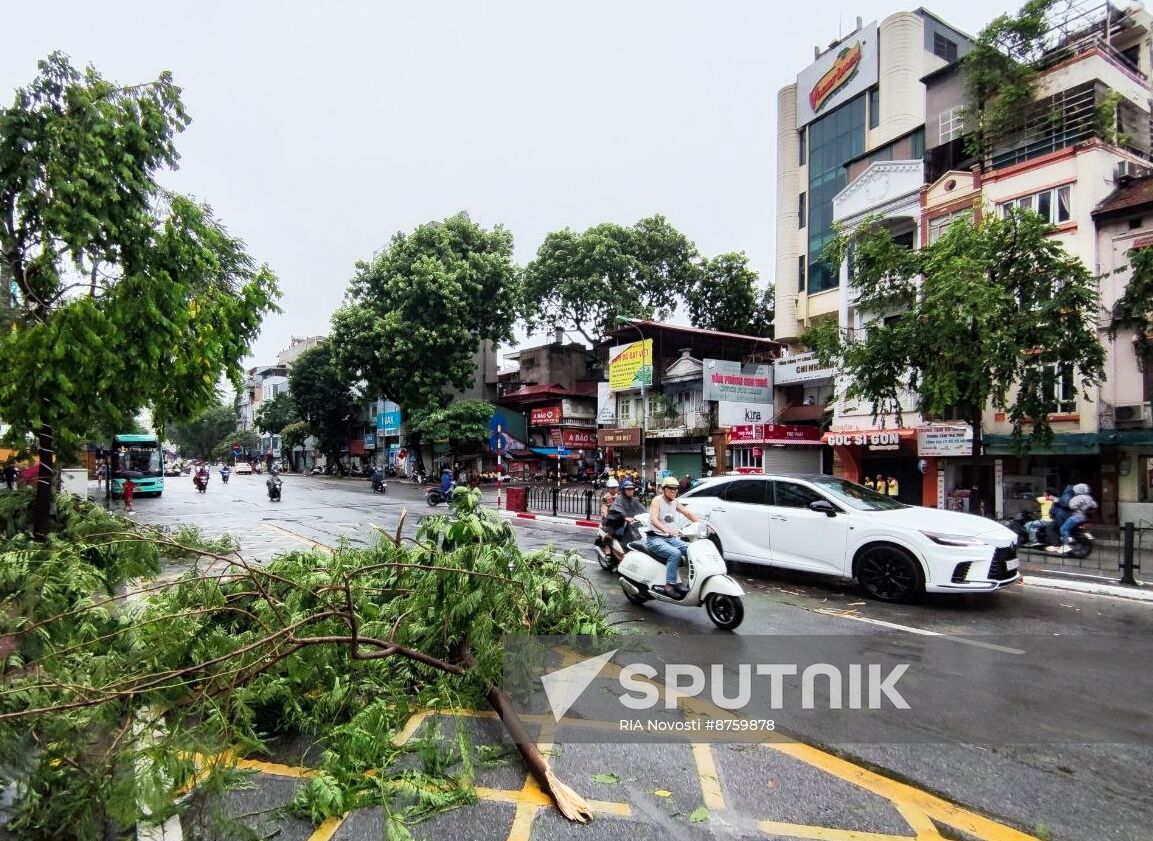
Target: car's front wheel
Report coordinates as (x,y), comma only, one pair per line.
(890,574)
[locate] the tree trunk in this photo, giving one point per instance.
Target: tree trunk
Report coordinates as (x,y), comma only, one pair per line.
(45,484)
(975,461)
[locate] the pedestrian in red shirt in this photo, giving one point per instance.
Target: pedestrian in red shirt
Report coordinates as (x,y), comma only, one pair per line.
(129,492)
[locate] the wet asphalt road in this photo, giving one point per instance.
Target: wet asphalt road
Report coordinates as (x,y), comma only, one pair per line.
(1026,774)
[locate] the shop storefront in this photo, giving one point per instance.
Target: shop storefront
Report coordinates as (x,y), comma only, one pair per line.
(774,448)
(621,446)
(861,454)
(1066,459)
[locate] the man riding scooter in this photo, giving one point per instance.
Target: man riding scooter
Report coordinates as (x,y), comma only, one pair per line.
(200,478)
(665,542)
(225,472)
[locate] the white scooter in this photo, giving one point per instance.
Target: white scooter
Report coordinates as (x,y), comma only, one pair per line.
(708,580)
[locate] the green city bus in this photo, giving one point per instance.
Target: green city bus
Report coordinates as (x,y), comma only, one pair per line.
(141,457)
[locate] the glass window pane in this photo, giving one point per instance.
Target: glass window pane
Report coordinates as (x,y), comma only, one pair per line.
(748,491)
(1064,204)
(802,138)
(1045,205)
(792,495)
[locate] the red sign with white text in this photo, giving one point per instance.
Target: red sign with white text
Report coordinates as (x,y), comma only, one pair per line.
(774,433)
(546,415)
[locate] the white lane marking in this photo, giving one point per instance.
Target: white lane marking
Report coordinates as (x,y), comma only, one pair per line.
(922,632)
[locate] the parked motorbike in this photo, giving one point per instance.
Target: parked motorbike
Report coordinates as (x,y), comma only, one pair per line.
(273,484)
(1049,537)
(709,583)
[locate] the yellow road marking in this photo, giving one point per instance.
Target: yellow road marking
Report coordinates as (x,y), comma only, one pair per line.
(919,822)
(299,538)
(326,830)
(274,768)
(710,780)
(822,833)
(521,827)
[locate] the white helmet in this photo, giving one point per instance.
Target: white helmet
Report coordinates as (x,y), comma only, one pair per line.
(612,483)
(1081,489)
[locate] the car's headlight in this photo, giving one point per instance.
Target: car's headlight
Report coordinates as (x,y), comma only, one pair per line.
(953,539)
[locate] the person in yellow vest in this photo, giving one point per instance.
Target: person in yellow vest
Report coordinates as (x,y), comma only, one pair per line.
(881,486)
(869,483)
(1045,501)
(893,487)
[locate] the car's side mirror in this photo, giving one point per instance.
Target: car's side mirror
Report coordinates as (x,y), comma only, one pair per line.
(824,507)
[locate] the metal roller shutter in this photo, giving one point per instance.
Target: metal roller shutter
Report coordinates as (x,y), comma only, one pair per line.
(786,460)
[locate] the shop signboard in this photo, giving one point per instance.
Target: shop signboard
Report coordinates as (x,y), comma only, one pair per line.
(546,415)
(944,440)
(625,437)
(606,405)
(775,433)
(733,382)
(800,368)
(370,440)
(740,414)
(841,73)
(631,365)
(574,439)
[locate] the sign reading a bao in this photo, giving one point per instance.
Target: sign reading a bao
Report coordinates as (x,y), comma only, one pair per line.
(546,415)
(574,439)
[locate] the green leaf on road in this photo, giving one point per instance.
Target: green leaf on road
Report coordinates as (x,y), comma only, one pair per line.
(699,814)
(607,779)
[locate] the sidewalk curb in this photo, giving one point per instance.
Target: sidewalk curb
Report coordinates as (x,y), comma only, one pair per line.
(545,518)
(1090,588)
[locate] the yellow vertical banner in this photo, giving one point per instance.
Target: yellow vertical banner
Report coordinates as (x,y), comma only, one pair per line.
(631,365)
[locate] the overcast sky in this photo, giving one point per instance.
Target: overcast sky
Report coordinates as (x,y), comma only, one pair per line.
(320,129)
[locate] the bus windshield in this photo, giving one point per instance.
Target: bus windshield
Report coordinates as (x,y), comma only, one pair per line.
(140,456)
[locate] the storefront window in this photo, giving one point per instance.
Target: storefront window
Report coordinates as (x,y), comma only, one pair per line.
(742,457)
(1145,478)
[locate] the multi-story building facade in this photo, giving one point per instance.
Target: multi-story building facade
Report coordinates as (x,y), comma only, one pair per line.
(1089,125)
(681,401)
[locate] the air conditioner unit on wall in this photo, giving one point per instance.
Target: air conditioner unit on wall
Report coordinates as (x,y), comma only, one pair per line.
(1126,170)
(1133,415)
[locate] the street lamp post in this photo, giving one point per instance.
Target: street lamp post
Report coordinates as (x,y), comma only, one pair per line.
(644,402)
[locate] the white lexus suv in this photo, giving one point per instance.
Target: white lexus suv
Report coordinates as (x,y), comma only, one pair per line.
(828,525)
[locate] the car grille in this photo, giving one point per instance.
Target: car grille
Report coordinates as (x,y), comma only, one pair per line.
(997,570)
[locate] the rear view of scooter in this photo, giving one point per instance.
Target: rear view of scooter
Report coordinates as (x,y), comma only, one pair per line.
(611,543)
(708,581)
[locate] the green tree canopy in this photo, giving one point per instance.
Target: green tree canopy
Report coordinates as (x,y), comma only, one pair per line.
(582,282)
(725,297)
(324,398)
(197,438)
(416,315)
(246,439)
(1134,309)
(277,413)
(124,295)
(458,422)
(1002,312)
(1000,74)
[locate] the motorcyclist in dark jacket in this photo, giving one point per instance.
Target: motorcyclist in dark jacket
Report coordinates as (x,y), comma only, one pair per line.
(627,505)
